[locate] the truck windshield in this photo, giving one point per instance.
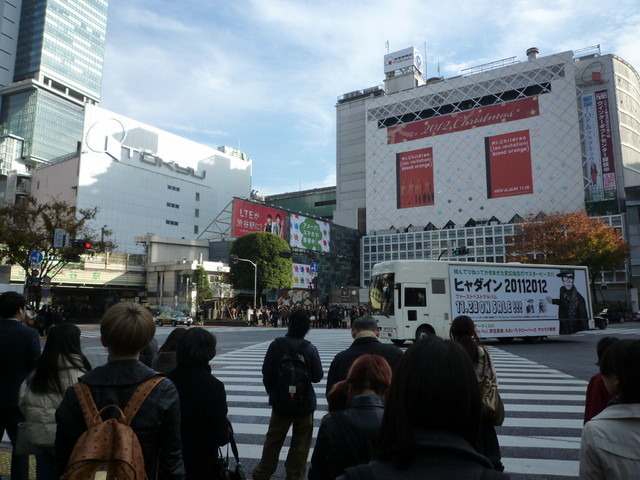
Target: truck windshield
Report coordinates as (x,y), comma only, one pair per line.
(381,294)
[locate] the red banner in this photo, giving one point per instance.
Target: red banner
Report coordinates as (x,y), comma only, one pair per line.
(605,141)
(250,217)
(414,178)
(508,158)
(457,122)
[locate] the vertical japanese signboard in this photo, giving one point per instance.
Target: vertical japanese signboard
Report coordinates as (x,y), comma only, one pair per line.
(605,142)
(414,178)
(508,159)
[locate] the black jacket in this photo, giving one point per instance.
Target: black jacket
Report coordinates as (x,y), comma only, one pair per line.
(346,437)
(203,405)
(19,350)
(157,423)
(364,345)
(438,454)
(272,362)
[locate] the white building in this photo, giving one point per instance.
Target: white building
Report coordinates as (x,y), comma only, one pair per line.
(424,166)
(144,180)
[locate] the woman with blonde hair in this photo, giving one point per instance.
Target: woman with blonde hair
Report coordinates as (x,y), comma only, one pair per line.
(347,437)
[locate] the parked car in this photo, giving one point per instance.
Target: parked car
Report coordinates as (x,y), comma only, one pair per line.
(175,318)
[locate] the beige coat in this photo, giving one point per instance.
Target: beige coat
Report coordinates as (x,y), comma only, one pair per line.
(40,410)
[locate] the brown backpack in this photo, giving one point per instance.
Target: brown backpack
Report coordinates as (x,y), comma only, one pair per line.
(108,449)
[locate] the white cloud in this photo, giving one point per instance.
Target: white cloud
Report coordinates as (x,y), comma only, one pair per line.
(265,74)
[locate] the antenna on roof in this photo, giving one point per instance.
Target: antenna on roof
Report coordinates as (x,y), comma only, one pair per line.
(386,44)
(425,61)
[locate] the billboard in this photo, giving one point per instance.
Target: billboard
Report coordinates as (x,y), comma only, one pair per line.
(605,142)
(414,177)
(591,147)
(519,293)
(401,59)
(251,217)
(302,275)
(508,160)
(309,233)
(466,120)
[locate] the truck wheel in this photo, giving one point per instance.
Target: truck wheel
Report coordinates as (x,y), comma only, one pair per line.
(532,339)
(424,331)
(398,342)
(505,339)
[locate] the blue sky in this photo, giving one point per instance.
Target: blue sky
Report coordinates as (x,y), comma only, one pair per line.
(264,75)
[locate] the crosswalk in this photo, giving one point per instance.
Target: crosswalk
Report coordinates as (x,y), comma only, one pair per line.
(540,438)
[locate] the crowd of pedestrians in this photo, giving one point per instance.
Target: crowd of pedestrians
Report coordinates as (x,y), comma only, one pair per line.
(417,414)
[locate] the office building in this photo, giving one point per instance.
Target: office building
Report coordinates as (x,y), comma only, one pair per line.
(424,166)
(51,68)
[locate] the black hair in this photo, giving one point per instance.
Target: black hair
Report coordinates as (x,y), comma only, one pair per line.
(62,350)
(172,341)
(622,360)
(603,344)
(463,331)
(299,323)
(10,303)
(434,387)
(196,347)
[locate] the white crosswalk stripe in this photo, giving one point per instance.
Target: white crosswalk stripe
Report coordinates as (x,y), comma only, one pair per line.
(546,404)
(614,332)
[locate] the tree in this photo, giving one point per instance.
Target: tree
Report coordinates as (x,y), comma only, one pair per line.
(200,279)
(263,249)
(29,227)
(570,239)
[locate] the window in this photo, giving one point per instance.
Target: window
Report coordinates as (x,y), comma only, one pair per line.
(197,196)
(171,222)
(195,229)
(197,212)
(173,205)
(438,286)
(415,297)
(172,187)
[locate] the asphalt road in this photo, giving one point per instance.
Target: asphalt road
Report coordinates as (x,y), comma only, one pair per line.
(542,386)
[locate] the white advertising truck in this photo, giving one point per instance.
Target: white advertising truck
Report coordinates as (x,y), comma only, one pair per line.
(411,299)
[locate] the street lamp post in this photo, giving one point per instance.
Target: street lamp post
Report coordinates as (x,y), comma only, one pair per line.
(235,259)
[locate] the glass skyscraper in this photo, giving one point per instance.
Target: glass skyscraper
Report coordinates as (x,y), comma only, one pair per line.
(58,68)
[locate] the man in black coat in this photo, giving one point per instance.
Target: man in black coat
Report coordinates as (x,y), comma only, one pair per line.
(366,334)
(283,415)
(19,350)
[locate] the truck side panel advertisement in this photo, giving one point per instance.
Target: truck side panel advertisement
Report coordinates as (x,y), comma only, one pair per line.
(537,297)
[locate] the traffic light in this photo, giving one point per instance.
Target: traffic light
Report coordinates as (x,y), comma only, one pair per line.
(81,244)
(460,251)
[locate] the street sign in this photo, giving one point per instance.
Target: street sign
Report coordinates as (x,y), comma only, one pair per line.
(58,238)
(36,257)
(314,267)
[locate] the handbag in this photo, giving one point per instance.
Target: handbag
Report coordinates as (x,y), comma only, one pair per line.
(221,469)
(492,406)
(23,446)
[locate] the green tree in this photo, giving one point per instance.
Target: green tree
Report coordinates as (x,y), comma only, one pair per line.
(30,227)
(263,249)
(570,239)
(200,279)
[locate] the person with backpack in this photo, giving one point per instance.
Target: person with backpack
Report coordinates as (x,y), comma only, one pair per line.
(133,413)
(290,366)
(59,367)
